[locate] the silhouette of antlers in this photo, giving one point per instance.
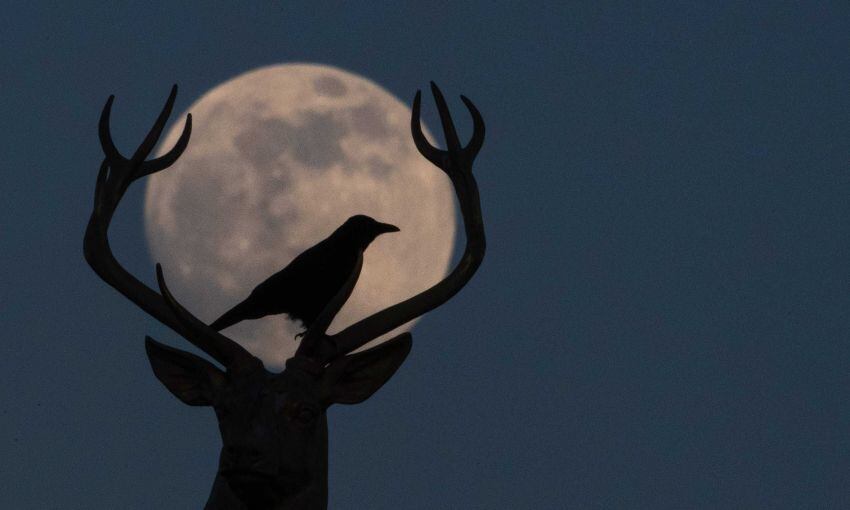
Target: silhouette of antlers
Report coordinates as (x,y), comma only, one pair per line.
(456,161)
(115,176)
(316,348)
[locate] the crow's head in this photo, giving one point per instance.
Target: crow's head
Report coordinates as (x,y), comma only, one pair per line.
(366,229)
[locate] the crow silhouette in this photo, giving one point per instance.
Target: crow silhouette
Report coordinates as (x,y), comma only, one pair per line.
(303,288)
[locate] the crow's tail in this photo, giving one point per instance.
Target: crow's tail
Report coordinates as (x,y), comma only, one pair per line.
(231,317)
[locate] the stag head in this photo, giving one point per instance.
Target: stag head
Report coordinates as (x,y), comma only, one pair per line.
(274,425)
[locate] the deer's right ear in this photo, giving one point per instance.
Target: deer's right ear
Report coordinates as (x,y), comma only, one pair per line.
(190,378)
(354,378)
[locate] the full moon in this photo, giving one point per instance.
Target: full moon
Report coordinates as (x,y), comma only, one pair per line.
(280,157)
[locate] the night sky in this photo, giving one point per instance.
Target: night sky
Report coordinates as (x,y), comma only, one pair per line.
(661,320)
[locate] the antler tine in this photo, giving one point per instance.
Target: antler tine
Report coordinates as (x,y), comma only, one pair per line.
(152,137)
(168,159)
(136,167)
(223,349)
(105,134)
(430,152)
(478,130)
(440,157)
(311,345)
(452,142)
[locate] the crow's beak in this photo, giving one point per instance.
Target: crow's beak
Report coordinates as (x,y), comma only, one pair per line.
(385,228)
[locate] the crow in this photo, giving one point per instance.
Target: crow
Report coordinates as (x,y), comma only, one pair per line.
(303,288)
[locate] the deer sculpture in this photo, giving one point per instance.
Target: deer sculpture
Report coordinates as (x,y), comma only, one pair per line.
(274,425)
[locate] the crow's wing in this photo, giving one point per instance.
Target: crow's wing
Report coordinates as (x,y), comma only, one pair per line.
(305,267)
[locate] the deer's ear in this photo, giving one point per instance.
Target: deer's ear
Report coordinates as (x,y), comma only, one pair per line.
(190,378)
(354,378)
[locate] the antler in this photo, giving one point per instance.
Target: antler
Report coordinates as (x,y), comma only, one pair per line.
(117,172)
(456,162)
(115,176)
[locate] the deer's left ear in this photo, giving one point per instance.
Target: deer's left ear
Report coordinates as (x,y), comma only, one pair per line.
(354,378)
(190,378)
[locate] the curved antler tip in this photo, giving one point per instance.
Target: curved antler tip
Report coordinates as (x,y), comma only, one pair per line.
(436,90)
(163,288)
(467,101)
(107,107)
(106,143)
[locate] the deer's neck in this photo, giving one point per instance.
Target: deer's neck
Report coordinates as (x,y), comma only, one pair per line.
(313,496)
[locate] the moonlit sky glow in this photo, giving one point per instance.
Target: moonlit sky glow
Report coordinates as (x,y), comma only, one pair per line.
(661,320)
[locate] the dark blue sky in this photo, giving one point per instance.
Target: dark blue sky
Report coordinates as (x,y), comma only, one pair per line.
(662,317)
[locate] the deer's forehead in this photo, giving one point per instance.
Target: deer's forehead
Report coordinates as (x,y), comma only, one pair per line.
(269,385)
(293,384)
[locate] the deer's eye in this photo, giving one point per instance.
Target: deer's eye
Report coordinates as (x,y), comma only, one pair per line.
(305,414)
